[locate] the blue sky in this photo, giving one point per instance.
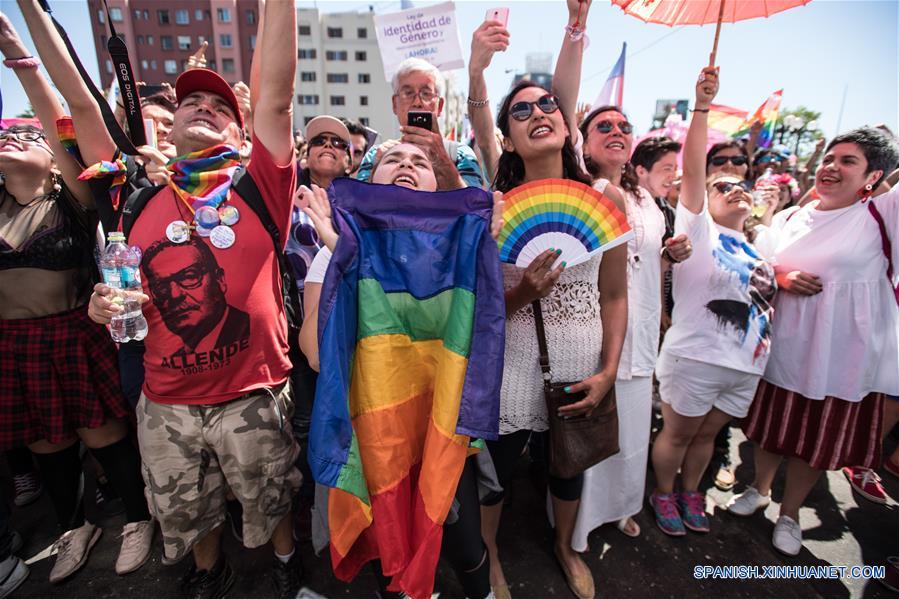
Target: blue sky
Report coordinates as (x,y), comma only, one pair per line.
(812,52)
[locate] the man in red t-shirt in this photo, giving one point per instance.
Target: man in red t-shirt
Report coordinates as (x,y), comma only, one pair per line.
(215,409)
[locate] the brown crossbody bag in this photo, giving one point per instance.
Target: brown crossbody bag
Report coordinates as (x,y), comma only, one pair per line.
(575,443)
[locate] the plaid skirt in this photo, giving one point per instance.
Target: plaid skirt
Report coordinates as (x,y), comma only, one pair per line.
(57,373)
(826,433)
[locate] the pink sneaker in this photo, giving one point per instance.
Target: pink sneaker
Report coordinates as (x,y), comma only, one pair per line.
(866,483)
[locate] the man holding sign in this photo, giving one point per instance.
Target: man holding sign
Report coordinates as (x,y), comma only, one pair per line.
(417,103)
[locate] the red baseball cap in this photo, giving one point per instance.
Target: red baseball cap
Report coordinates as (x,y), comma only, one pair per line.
(206,80)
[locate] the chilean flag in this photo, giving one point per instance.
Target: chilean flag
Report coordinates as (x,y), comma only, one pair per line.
(612,93)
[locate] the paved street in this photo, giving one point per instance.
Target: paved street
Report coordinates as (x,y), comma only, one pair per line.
(839,529)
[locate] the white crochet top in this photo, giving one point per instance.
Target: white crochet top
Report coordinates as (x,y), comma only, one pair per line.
(573,337)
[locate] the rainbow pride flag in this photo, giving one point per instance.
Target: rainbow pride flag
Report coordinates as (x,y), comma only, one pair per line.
(766,114)
(411,334)
(726,119)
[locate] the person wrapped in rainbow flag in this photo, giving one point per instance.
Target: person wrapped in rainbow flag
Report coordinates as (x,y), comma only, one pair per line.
(410,340)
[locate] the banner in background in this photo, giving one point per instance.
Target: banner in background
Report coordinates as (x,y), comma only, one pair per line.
(430,33)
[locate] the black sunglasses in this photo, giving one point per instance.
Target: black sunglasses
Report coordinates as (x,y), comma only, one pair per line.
(336,142)
(724,187)
(734,160)
(522,111)
(607,126)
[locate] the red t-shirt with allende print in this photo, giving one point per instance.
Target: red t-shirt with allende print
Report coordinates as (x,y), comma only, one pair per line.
(217,326)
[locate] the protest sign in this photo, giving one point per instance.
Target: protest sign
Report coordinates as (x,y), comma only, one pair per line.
(429,33)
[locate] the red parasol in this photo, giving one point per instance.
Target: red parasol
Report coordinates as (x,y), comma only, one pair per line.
(702,12)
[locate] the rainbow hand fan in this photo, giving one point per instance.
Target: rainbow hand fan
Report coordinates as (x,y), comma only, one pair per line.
(560,214)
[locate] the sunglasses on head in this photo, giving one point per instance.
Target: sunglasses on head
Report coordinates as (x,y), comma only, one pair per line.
(607,126)
(335,142)
(734,160)
(768,158)
(522,111)
(724,187)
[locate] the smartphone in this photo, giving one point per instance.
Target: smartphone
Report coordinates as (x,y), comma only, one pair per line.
(498,14)
(425,120)
(150,133)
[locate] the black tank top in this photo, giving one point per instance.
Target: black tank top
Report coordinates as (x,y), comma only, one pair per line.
(61,243)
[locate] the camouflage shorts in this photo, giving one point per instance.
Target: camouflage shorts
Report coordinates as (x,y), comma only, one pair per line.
(193,454)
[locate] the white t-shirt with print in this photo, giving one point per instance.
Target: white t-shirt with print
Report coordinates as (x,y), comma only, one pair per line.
(722,297)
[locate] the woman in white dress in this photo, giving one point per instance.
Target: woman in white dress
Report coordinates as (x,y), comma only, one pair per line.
(613,490)
(836,352)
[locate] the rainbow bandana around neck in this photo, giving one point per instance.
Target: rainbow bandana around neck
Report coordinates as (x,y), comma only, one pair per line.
(203,178)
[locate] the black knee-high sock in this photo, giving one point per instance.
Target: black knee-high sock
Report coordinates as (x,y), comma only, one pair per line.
(61,474)
(19,460)
(476,582)
(121,462)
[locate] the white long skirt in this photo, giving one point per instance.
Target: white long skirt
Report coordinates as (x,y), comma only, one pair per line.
(614,488)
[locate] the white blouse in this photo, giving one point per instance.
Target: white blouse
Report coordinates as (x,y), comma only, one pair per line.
(644,286)
(844,341)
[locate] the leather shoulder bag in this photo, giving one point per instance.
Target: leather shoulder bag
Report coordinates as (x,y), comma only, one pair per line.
(575,443)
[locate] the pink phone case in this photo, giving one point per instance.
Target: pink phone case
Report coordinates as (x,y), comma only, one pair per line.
(498,14)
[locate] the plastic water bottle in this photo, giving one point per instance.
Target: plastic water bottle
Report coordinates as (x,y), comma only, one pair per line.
(759,203)
(120,266)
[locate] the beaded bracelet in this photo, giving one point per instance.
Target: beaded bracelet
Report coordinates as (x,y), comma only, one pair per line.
(478,103)
(25,62)
(699,110)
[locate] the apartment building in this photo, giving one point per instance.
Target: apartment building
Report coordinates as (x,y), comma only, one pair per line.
(162,34)
(339,71)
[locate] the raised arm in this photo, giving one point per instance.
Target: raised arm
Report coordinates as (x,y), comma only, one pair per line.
(489,38)
(692,194)
(94,141)
(755,130)
(273,100)
(806,174)
(46,106)
(567,77)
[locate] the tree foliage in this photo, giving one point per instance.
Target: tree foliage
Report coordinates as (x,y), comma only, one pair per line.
(799,141)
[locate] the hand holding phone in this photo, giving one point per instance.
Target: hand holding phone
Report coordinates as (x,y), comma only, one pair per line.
(498,14)
(422,119)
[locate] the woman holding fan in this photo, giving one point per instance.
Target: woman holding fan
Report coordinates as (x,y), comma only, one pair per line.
(584,307)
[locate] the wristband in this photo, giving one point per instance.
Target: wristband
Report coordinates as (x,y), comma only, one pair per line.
(575,32)
(25,62)
(478,103)
(699,110)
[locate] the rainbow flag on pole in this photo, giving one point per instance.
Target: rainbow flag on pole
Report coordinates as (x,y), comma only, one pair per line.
(726,119)
(411,334)
(766,114)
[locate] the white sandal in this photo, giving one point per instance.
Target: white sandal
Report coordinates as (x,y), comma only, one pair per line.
(634,531)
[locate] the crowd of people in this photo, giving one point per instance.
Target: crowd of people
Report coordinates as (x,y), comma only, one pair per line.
(783,322)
